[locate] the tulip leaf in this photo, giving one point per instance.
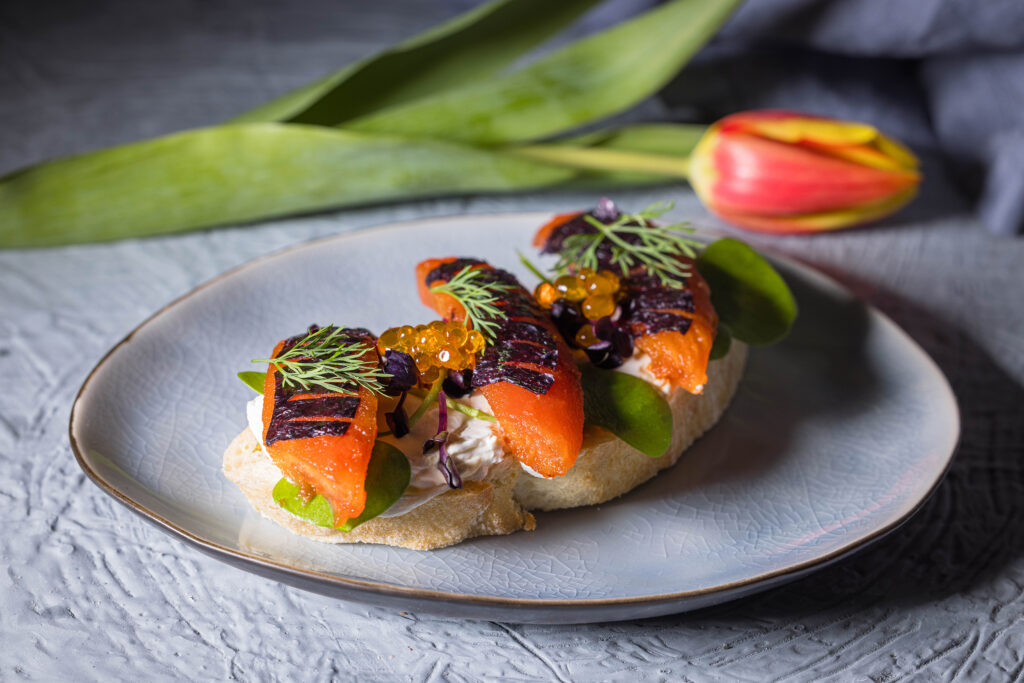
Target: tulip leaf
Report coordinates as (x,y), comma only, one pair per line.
(230,174)
(473,45)
(387,477)
(584,81)
(752,300)
(628,407)
(253,379)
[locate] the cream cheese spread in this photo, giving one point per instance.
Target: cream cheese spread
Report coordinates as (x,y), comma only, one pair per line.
(637,364)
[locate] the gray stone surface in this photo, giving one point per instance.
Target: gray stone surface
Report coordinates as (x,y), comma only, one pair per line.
(89,591)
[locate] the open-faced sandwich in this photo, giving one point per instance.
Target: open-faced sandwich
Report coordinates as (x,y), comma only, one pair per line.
(513,401)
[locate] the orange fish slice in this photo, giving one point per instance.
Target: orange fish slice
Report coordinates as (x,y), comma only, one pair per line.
(527,375)
(321,440)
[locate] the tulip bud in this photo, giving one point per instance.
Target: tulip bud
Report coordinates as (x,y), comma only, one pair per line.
(783,172)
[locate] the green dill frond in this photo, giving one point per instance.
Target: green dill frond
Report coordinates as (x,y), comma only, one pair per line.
(480,300)
(655,248)
(327,360)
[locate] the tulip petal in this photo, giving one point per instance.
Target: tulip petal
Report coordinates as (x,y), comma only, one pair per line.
(824,132)
(817,222)
(752,175)
(895,150)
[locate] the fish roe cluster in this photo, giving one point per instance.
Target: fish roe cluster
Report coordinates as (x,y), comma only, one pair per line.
(593,293)
(436,345)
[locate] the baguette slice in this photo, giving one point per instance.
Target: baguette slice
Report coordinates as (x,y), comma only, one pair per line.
(606,468)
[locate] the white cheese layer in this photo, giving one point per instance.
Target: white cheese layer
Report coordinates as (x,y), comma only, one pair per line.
(637,365)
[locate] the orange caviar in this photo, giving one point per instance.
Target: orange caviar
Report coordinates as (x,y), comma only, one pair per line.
(436,345)
(585,336)
(597,306)
(546,294)
(570,287)
(595,293)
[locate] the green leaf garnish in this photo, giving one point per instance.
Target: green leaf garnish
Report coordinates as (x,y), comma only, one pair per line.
(317,510)
(723,342)
(752,300)
(387,477)
(634,242)
(329,359)
(628,407)
(478,298)
(253,380)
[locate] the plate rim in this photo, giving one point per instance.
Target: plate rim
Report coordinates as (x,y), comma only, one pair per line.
(239,558)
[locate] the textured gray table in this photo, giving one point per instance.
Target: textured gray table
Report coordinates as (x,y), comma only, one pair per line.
(88,590)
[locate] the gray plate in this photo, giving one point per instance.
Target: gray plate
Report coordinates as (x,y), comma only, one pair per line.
(836,436)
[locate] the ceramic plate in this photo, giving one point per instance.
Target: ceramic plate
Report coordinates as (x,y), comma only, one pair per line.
(835,437)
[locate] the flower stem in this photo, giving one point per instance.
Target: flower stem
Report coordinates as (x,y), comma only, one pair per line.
(607,159)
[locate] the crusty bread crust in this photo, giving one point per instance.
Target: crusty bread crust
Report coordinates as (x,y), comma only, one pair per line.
(606,468)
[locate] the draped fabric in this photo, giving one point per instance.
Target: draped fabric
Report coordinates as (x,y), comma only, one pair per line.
(946,76)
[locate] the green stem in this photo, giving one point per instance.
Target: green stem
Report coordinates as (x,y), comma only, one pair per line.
(459,406)
(532,268)
(607,159)
(431,396)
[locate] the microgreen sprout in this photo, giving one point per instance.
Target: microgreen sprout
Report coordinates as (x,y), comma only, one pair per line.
(633,241)
(479,296)
(328,358)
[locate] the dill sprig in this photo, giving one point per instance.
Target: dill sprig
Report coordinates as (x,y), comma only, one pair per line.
(633,240)
(328,359)
(478,298)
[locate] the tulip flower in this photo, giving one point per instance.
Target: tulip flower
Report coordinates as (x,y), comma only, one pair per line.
(772,171)
(778,171)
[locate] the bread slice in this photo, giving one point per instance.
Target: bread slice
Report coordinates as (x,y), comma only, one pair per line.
(479,508)
(606,468)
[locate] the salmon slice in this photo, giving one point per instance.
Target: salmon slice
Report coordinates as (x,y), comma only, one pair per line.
(675,327)
(321,440)
(528,375)
(544,234)
(681,358)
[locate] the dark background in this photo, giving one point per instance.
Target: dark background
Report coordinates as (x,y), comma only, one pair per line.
(946,76)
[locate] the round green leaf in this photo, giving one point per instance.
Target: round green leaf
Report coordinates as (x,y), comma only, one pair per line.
(253,380)
(628,407)
(387,477)
(753,302)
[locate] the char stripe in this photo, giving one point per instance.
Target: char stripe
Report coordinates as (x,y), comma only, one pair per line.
(330,406)
(516,341)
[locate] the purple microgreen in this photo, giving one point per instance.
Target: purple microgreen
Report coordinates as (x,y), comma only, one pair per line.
(397,419)
(444,463)
(459,383)
(401,370)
